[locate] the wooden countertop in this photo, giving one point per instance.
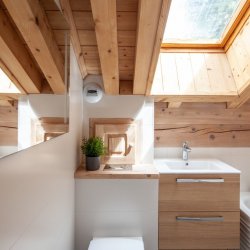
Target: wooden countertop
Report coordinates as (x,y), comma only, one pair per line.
(146,171)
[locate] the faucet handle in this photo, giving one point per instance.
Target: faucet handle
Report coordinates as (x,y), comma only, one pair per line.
(185,144)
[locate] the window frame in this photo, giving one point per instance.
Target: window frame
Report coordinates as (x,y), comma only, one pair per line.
(242,12)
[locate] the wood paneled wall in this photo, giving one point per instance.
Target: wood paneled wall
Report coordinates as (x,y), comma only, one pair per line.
(239,57)
(202,125)
(8,125)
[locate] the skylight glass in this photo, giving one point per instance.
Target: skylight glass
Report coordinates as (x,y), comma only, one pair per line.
(6,85)
(198,21)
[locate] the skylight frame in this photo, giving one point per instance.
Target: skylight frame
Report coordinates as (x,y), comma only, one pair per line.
(234,22)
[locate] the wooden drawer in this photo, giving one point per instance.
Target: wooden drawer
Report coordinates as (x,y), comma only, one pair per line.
(200,196)
(199,230)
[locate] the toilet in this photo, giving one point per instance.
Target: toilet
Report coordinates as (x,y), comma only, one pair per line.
(117,243)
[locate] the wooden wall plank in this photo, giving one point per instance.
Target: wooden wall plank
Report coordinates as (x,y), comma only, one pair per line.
(203,113)
(104,13)
(203,124)
(8,126)
(203,135)
(32,22)
(148,21)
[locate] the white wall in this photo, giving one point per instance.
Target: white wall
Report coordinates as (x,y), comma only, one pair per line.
(135,107)
(7,150)
(118,208)
(236,157)
(37,187)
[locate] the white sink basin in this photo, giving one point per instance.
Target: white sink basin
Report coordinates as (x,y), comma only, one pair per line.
(209,166)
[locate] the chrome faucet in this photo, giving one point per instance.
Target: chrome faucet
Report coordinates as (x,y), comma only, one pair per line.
(185,150)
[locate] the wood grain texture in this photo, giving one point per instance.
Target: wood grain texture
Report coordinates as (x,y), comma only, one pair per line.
(158,42)
(148,173)
(194,74)
(199,235)
(8,125)
(175,196)
(15,59)
(148,21)
(204,125)
(33,24)
(104,14)
(239,56)
(199,200)
(74,36)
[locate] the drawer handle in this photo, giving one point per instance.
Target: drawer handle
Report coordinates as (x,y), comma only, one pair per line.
(201,219)
(220,180)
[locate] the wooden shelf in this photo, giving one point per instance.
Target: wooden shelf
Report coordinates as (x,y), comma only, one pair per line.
(149,172)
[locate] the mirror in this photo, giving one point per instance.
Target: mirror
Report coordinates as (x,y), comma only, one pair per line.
(27,118)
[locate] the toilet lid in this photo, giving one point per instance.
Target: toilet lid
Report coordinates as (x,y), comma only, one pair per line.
(116,243)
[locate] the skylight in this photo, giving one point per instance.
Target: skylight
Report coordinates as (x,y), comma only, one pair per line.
(6,85)
(198,21)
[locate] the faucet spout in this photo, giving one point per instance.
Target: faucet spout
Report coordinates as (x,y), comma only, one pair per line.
(185,150)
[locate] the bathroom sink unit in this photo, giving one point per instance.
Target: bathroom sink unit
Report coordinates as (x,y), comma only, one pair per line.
(200,166)
(198,205)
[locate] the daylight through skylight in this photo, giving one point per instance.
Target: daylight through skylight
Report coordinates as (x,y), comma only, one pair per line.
(6,85)
(198,21)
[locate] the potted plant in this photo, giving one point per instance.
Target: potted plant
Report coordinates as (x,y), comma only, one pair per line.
(93,148)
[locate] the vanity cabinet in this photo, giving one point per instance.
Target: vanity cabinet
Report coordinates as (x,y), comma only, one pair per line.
(199,211)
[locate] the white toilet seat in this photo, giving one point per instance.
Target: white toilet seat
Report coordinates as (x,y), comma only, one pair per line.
(117,243)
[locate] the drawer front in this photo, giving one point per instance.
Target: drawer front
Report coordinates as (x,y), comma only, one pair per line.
(199,230)
(199,192)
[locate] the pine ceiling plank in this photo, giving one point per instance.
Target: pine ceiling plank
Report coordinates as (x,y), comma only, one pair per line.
(185,73)
(147,25)
(169,74)
(104,13)
(84,5)
(200,73)
(31,20)
(220,76)
(158,84)
(15,59)
(74,37)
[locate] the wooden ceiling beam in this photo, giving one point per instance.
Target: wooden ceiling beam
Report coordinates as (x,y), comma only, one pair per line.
(15,60)
(147,26)
(194,98)
(67,11)
(244,96)
(104,14)
(31,20)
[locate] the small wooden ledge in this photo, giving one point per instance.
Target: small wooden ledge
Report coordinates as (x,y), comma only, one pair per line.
(146,172)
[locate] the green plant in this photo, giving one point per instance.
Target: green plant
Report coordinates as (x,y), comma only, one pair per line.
(93,147)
